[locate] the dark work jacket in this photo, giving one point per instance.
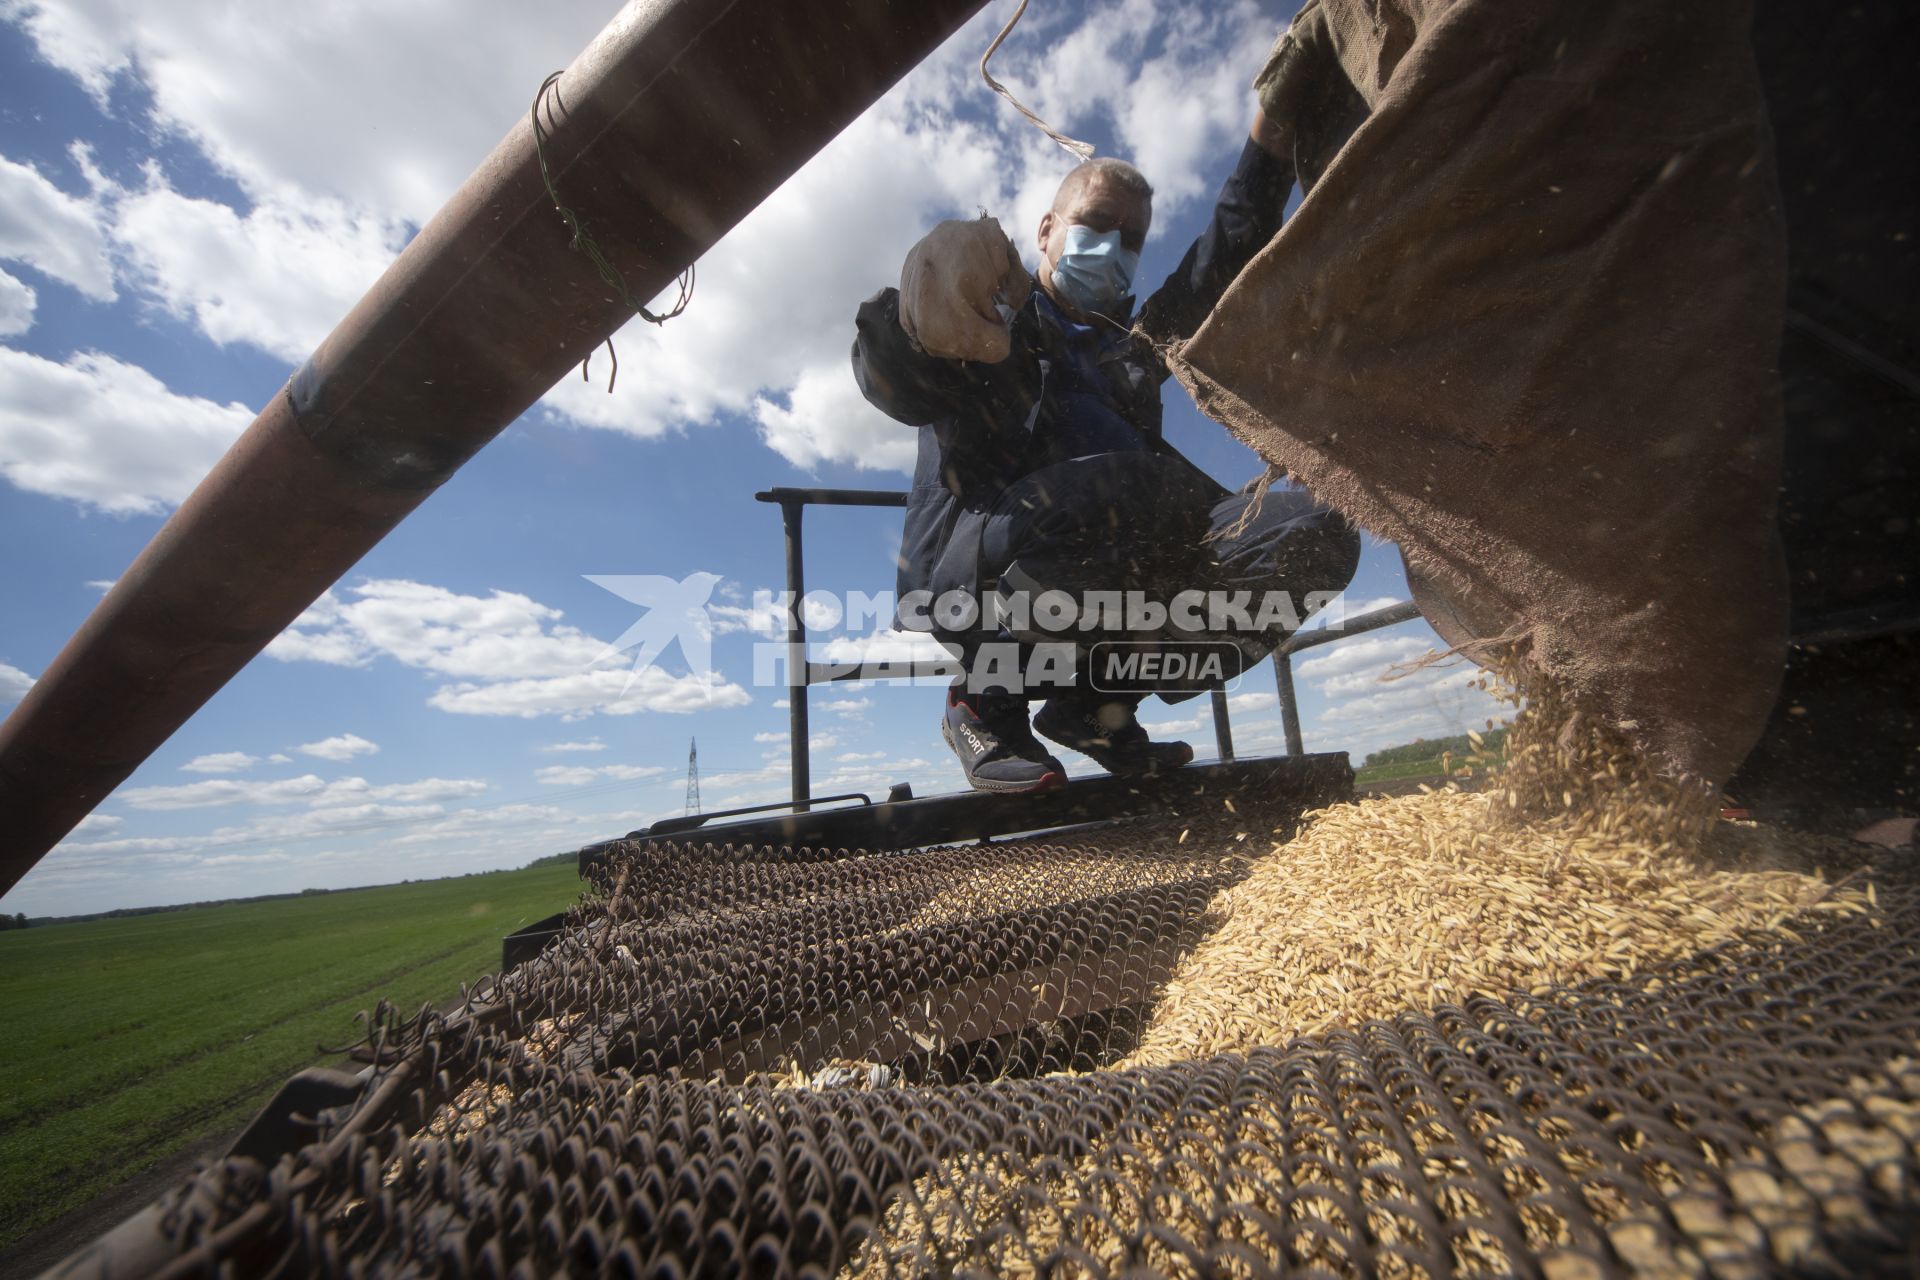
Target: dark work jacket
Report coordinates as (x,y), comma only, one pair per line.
(1067,390)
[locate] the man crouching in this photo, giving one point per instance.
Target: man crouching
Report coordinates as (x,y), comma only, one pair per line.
(1042,472)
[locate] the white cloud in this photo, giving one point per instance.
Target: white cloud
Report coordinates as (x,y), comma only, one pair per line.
(510,820)
(269,858)
(334,819)
(1403,698)
(17,303)
(832,235)
(610,693)
(221,762)
(508,654)
(56,234)
(1173,85)
(106,433)
(757,786)
(98,822)
(860,757)
(279,277)
(211,68)
(1340,610)
(849,707)
(820,614)
(563,775)
(72,41)
(344,746)
(14,684)
(425,791)
(279,757)
(562,748)
(1353,610)
(764,617)
(912,769)
(888,645)
(334,648)
(226,791)
(497,636)
(306,789)
(824,418)
(781,743)
(1366,710)
(1179,107)
(332,180)
(1368,655)
(325,822)
(321,634)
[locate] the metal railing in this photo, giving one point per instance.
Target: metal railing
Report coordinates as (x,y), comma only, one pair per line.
(793,505)
(1386,616)
(802,673)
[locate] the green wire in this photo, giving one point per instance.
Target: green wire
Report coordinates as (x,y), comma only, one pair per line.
(584,242)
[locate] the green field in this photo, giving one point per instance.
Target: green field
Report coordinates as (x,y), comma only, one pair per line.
(128,1039)
(1366,775)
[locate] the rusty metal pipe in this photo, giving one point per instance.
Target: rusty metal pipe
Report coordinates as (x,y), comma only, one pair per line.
(668,129)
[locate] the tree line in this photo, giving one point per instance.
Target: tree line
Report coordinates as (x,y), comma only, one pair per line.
(1422,749)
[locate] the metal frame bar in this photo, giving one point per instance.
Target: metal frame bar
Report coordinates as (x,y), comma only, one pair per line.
(1222,731)
(903,821)
(793,504)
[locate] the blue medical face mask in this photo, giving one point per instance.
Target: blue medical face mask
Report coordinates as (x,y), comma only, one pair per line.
(1094,273)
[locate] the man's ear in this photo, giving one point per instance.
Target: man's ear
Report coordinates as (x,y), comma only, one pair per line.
(1046,231)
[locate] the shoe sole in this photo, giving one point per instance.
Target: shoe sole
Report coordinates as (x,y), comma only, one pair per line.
(1146,769)
(1048,781)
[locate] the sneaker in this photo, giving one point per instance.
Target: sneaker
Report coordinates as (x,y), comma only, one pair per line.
(1105,730)
(996,746)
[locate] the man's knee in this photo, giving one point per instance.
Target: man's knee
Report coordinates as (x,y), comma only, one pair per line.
(1305,548)
(1111,517)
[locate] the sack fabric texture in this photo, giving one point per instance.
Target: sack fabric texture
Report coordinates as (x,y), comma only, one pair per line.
(1525,325)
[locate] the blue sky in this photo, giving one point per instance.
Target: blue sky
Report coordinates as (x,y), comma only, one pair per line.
(191,195)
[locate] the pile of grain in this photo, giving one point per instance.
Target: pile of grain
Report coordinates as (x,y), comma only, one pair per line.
(1578,860)
(473,1109)
(1004,1215)
(1019,877)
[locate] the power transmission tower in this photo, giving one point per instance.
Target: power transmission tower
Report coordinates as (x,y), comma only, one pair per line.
(693,775)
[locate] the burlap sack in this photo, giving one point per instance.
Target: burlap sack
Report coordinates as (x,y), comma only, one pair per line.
(1524,325)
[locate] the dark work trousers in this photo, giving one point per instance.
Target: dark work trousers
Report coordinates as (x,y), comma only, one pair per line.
(1154,523)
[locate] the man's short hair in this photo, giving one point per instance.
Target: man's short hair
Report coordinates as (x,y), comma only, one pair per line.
(1118,172)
